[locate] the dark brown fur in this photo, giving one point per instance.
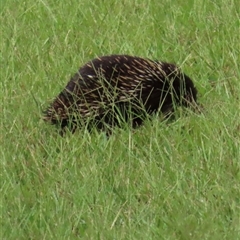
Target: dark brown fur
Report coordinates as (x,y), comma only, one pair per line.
(120,86)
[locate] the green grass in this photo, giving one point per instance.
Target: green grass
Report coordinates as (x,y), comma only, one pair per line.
(177,180)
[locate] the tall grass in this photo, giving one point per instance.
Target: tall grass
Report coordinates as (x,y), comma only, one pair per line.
(177,180)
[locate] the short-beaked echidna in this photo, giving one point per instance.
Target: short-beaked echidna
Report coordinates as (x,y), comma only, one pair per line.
(110,88)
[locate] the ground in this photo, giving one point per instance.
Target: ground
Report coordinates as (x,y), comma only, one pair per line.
(166,180)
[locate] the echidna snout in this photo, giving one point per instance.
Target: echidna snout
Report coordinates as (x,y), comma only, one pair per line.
(115,87)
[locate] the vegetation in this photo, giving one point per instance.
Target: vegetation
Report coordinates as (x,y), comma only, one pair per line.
(165,180)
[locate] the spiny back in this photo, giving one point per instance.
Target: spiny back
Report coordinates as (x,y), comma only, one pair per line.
(121,80)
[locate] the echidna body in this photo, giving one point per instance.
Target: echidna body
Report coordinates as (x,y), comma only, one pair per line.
(115,87)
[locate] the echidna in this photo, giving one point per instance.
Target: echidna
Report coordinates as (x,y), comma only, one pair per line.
(113,88)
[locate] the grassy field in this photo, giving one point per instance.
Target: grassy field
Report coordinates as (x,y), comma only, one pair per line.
(165,180)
